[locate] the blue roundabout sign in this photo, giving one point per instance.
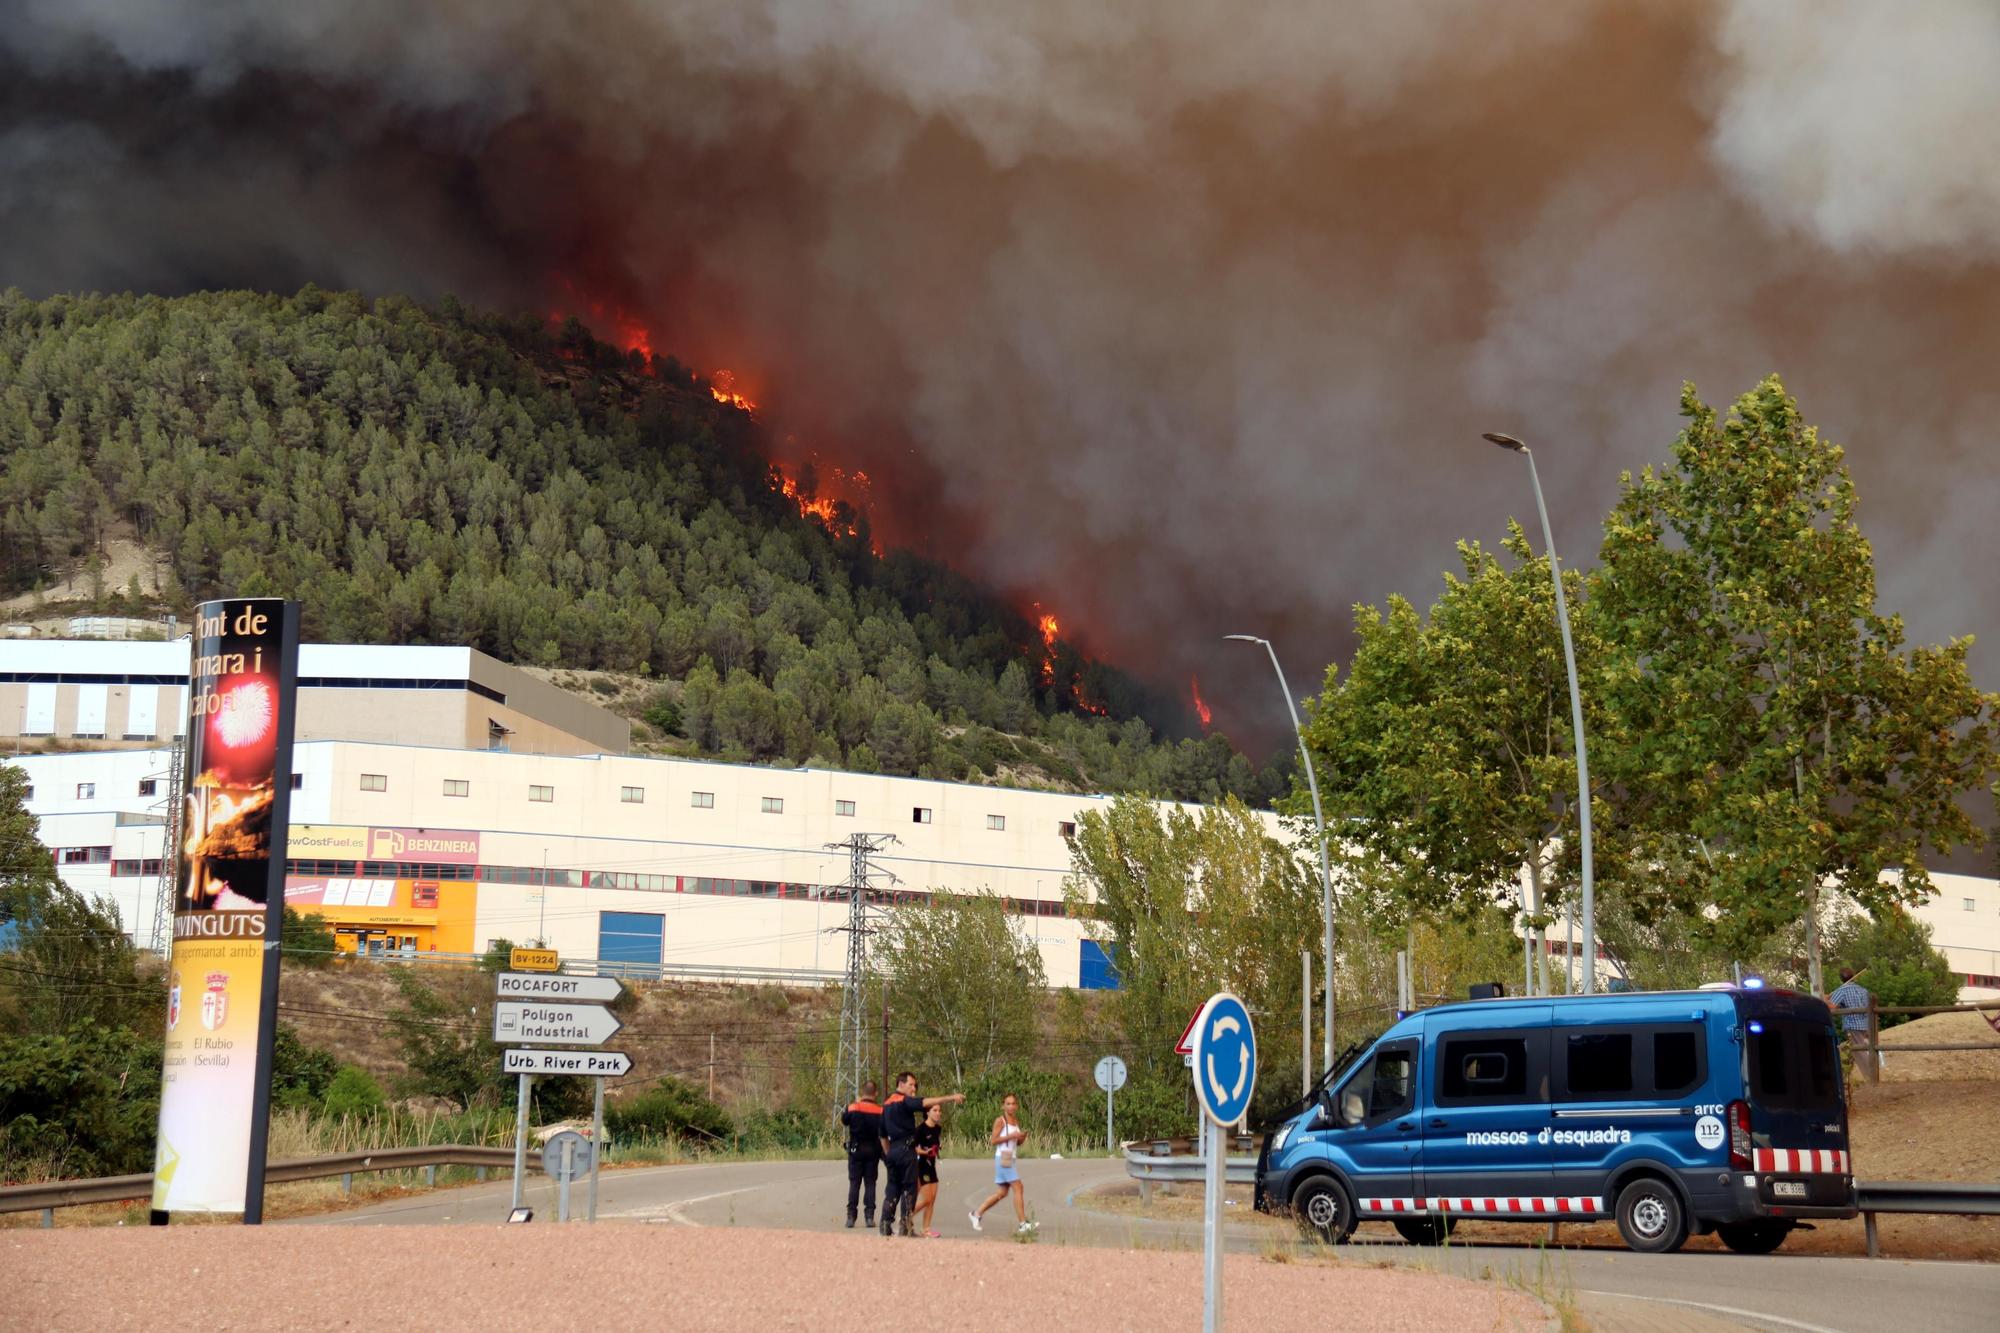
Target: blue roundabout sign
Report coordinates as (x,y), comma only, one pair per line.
(1225,1059)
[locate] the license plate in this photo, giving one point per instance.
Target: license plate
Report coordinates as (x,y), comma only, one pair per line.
(1789,1189)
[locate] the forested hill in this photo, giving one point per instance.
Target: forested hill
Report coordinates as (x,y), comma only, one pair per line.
(421,474)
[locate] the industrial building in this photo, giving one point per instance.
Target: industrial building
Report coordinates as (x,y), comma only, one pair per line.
(443,800)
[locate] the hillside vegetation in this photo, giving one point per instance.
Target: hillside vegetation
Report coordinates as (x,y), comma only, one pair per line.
(437,475)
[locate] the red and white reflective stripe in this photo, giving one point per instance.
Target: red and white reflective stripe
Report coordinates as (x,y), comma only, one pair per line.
(1802,1161)
(1501,1207)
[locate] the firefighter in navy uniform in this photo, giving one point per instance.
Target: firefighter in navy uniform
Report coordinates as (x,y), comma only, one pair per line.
(901,1115)
(863,1119)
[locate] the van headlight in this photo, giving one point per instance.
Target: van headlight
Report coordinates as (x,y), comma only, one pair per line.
(1283,1136)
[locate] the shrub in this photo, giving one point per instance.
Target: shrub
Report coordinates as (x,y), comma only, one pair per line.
(354,1093)
(300,1074)
(669,1109)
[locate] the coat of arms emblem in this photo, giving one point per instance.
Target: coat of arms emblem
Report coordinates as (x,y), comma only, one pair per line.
(215,1001)
(174,1004)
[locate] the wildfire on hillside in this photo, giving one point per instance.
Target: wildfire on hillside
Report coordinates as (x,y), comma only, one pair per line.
(1201,710)
(627,329)
(832,496)
(722,386)
(1049,629)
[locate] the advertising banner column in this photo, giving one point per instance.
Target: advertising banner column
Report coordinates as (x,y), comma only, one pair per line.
(229,904)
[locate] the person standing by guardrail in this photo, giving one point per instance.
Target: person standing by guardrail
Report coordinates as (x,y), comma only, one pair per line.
(1853,997)
(863,1119)
(1006,1139)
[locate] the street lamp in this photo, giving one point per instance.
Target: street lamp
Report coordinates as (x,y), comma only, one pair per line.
(1319,825)
(1575,715)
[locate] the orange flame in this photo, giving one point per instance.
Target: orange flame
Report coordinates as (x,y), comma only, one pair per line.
(837,486)
(1201,709)
(722,386)
(1046,623)
(628,330)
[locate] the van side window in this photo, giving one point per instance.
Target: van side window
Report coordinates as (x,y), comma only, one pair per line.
(1600,1064)
(1478,1067)
(1676,1062)
(1395,1083)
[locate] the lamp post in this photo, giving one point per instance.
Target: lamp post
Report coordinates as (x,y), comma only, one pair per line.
(1319,827)
(1575,715)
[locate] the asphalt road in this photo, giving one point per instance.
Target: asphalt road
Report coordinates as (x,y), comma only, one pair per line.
(1615,1289)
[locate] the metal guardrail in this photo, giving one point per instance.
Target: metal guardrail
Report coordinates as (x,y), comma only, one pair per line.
(1922,1196)
(51,1195)
(595,967)
(1175,1161)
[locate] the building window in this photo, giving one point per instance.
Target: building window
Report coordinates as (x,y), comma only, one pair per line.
(457,787)
(632,795)
(28,792)
(998,823)
(1970,906)
(1066,828)
(149,786)
(298,781)
(86,856)
(843,808)
(774,805)
(543,794)
(86,791)
(920,815)
(374,782)
(704,800)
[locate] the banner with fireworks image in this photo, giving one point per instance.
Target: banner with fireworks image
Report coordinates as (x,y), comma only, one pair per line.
(228,907)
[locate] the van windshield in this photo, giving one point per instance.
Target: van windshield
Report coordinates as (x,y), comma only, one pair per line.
(1792,1063)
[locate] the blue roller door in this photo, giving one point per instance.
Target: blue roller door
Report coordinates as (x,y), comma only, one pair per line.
(630,941)
(1095,970)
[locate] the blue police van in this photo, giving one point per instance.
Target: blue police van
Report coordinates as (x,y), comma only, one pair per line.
(1676,1113)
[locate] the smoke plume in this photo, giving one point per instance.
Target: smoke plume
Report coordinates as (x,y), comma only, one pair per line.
(1183,319)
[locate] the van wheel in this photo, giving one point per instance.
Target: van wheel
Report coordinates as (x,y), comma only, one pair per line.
(1322,1206)
(1650,1217)
(1427,1230)
(1754,1237)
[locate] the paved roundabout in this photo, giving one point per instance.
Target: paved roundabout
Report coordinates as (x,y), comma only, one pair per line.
(1615,1289)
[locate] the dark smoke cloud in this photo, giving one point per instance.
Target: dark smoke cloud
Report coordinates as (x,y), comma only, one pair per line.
(1181,319)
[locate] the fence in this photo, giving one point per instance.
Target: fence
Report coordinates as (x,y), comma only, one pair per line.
(51,1195)
(1867,1047)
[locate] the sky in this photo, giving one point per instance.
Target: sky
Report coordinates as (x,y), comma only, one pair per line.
(1181,320)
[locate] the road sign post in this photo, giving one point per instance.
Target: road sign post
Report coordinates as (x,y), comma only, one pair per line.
(597,1139)
(535,1003)
(1225,1077)
(1110,1077)
(520,1135)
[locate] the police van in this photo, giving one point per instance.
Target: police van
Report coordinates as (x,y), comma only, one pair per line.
(1677,1113)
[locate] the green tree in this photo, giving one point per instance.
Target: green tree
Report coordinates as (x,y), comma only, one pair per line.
(306,939)
(1188,904)
(445,1033)
(299,1073)
(962,972)
(1449,741)
(1892,956)
(1777,716)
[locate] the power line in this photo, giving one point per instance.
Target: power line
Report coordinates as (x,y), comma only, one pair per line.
(861,849)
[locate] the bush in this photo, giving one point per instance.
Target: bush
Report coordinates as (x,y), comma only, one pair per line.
(300,1074)
(669,1109)
(663,714)
(85,1102)
(306,939)
(354,1093)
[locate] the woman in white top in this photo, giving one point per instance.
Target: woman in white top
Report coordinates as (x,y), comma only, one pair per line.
(1006,1140)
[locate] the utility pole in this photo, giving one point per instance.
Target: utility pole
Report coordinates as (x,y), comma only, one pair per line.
(861,849)
(170,848)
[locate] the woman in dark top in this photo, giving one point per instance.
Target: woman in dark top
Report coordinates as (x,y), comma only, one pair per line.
(928,1138)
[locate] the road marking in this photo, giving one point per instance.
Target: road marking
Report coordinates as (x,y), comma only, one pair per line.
(672,1212)
(1757,1315)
